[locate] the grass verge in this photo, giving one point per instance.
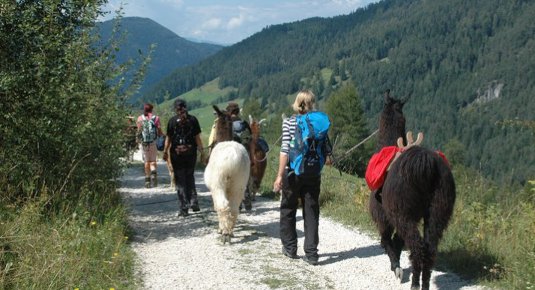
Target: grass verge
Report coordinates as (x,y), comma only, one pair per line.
(78,250)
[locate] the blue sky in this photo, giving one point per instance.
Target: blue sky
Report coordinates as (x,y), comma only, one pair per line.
(230,21)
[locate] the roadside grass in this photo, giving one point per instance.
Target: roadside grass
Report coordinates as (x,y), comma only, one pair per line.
(490,236)
(79,249)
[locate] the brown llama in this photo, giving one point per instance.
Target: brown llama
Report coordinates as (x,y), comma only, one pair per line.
(419,185)
(259,157)
(226,175)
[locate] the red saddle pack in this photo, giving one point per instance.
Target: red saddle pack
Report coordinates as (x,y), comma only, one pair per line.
(378,165)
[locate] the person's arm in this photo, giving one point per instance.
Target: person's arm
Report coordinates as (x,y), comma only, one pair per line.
(198,141)
(159,126)
(283,156)
(167,143)
(283,160)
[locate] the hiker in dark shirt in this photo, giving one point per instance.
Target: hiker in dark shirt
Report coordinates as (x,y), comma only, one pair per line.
(184,140)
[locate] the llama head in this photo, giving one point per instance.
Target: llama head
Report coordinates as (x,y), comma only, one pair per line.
(393,105)
(255,126)
(391,121)
(223,125)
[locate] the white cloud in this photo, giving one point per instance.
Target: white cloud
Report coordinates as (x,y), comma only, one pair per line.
(211,24)
(232,20)
(175,3)
(235,22)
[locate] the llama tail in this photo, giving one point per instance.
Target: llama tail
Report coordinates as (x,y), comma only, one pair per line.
(429,174)
(442,202)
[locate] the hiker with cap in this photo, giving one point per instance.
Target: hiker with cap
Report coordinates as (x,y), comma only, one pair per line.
(184,140)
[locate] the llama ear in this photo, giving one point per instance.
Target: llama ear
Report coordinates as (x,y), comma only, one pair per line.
(217,110)
(386,97)
(250,119)
(261,121)
(405,100)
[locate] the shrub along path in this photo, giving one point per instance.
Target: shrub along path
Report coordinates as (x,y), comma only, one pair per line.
(184,253)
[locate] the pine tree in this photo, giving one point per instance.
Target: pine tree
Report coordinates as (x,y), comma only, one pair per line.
(344,107)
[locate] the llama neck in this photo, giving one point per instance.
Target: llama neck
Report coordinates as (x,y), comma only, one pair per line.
(389,132)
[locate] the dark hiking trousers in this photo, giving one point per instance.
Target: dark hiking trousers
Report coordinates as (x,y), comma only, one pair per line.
(308,190)
(184,169)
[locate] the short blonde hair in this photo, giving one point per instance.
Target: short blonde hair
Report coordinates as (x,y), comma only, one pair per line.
(304,102)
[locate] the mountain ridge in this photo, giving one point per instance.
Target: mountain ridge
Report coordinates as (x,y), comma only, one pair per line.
(171,50)
(439,53)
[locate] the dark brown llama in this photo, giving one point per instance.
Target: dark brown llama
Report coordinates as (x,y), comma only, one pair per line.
(418,186)
(259,157)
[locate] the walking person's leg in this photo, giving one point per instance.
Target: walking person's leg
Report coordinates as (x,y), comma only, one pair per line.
(194,201)
(311,213)
(149,156)
(288,210)
(181,185)
(145,149)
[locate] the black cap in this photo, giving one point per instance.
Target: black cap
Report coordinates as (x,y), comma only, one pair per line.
(179,103)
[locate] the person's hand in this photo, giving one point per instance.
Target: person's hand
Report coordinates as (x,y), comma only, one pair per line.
(328,160)
(165,156)
(277,185)
(204,160)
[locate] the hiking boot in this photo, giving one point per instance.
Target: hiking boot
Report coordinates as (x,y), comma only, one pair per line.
(247,203)
(154,178)
(183,213)
(288,254)
(312,260)
(147,182)
(195,207)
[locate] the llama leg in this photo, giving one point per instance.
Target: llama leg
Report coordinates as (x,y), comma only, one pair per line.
(220,222)
(232,219)
(417,248)
(392,249)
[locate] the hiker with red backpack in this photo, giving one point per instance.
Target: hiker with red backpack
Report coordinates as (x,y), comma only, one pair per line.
(304,149)
(149,128)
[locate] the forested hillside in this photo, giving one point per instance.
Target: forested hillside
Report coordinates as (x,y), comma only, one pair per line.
(467,65)
(170,52)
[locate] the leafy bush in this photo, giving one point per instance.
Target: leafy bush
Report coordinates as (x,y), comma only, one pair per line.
(62,139)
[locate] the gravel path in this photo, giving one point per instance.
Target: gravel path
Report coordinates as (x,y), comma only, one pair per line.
(184,253)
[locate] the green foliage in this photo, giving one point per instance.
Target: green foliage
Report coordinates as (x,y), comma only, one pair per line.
(80,250)
(491,234)
(348,128)
(63,136)
(453,57)
(63,124)
(455,152)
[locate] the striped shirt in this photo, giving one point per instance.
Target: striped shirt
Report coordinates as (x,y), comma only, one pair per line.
(288,132)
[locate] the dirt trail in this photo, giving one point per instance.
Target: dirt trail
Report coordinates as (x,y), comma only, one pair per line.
(184,253)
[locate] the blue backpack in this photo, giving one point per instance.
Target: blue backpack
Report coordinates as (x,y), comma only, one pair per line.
(310,145)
